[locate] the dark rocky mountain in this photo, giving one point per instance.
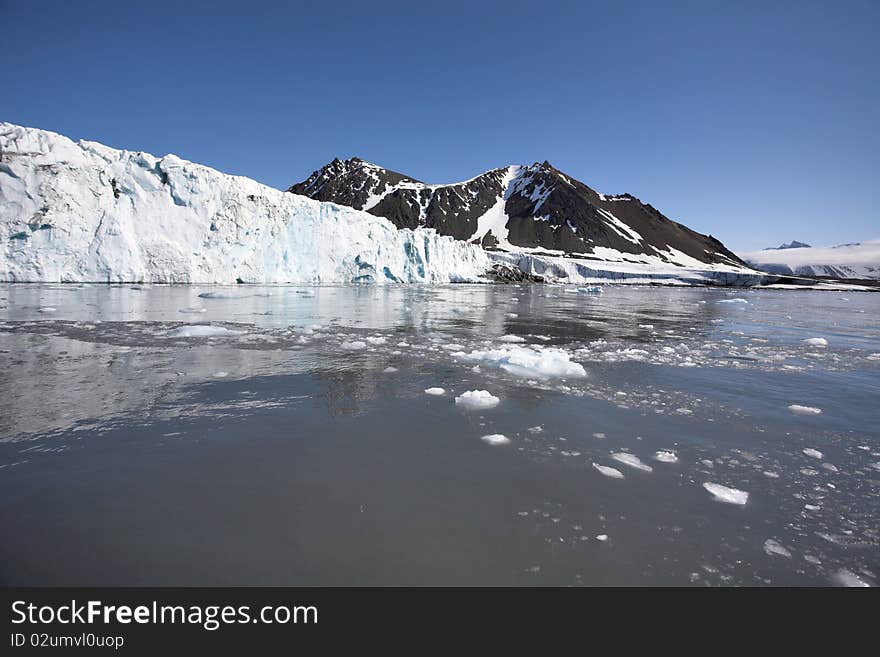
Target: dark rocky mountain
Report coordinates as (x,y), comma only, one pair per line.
(516,208)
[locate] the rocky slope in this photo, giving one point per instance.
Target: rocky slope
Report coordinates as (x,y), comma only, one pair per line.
(534,208)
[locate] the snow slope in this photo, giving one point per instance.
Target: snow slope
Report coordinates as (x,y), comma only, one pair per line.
(85,212)
(861,261)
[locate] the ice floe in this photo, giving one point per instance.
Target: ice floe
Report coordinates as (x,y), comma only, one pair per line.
(797,409)
(529,362)
(355,345)
(477,400)
(816,342)
(495,439)
(435,391)
(200,331)
(666,456)
(726,494)
(844,577)
(614,473)
(632,461)
(772,548)
(815,453)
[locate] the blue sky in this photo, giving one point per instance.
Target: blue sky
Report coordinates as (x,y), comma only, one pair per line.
(756,122)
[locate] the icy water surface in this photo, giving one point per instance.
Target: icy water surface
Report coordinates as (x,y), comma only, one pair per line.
(284,435)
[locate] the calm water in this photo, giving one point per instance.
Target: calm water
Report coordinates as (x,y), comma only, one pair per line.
(299,446)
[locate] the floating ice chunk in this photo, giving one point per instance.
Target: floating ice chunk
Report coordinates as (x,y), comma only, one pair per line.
(512,338)
(477,400)
(797,409)
(614,473)
(815,453)
(47,309)
(356,345)
(646,326)
(435,391)
(602,537)
(495,439)
(221,375)
(733,301)
(389,370)
(376,340)
(770,474)
(529,362)
(511,315)
(772,547)
(590,289)
(535,429)
(844,577)
(632,461)
(192,310)
(200,331)
(816,342)
(726,494)
(666,456)
(219,295)
(599,435)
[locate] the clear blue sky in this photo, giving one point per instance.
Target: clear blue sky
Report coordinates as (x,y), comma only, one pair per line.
(754,121)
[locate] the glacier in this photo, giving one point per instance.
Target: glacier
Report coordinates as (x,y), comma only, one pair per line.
(85,212)
(857,261)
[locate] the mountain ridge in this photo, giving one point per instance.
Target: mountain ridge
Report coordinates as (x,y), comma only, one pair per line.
(532,207)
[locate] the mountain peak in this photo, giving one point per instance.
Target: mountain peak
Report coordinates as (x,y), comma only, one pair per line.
(794,244)
(519,207)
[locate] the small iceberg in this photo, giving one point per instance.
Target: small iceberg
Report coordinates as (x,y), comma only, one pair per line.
(477,400)
(726,494)
(797,409)
(614,473)
(632,461)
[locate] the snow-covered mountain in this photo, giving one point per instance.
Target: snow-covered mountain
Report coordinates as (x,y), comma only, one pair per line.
(794,244)
(531,209)
(855,261)
(84,212)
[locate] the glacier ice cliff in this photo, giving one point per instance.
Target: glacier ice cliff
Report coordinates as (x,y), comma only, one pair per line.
(85,212)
